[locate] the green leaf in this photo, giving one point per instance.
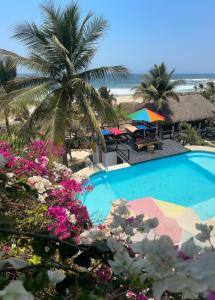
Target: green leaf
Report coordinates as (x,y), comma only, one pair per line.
(43,248)
(5,221)
(38,281)
(101,246)
(66,251)
(65,284)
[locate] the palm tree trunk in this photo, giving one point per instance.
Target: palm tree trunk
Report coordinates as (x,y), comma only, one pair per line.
(7,123)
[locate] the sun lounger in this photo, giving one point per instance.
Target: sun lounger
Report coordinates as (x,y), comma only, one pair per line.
(141,127)
(131,128)
(105,132)
(116,131)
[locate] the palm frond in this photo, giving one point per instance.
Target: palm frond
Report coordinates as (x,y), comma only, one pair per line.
(41,112)
(172,94)
(31,97)
(21,61)
(52,16)
(85,106)
(32,36)
(119,72)
(58,128)
(27,82)
(7,71)
(6,98)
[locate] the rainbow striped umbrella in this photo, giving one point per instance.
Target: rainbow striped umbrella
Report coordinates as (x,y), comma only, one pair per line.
(146,115)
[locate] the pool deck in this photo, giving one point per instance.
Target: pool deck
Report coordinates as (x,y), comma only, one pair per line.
(170,147)
(201,148)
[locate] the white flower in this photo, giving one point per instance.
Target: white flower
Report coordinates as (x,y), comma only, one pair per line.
(39,183)
(15,291)
(61,170)
(42,197)
(71,217)
(10,175)
(89,236)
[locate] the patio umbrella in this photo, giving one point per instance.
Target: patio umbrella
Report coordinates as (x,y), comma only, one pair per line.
(146,115)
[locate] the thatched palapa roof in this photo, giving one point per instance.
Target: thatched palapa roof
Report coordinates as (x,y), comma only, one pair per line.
(190,107)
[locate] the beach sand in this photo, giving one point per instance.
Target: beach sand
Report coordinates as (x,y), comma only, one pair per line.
(127,98)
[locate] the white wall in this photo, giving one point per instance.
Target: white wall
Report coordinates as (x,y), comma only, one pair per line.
(108,159)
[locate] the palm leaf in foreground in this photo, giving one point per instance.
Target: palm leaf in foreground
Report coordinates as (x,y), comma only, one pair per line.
(61,50)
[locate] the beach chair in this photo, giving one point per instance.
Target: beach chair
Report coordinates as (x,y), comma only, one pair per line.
(131,128)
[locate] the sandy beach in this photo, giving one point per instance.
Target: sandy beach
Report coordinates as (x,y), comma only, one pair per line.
(127,98)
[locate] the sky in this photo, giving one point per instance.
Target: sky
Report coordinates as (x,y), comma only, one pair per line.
(140,34)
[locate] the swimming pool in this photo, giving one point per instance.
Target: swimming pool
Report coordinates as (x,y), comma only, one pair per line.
(186,179)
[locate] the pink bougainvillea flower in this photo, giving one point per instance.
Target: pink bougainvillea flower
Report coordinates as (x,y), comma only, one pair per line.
(102,226)
(211,295)
(61,191)
(142,296)
(5,248)
(104,274)
(130,220)
(71,185)
(130,295)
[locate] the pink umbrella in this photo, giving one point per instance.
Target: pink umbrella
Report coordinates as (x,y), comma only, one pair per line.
(116,131)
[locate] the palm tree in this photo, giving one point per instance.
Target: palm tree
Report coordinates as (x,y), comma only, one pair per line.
(207,91)
(105,93)
(189,135)
(7,73)
(61,51)
(11,89)
(157,86)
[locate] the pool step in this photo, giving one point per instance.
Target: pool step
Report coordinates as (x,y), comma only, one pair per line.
(206,209)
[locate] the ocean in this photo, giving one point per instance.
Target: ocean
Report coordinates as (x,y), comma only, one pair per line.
(124,87)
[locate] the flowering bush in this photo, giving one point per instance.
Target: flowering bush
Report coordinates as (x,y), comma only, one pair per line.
(52,185)
(69,258)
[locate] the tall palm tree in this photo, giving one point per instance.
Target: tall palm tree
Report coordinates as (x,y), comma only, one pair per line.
(105,93)
(11,89)
(61,51)
(207,91)
(157,86)
(7,73)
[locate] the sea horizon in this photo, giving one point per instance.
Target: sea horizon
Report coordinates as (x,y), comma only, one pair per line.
(123,87)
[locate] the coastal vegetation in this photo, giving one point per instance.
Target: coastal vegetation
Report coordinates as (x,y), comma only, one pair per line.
(61,50)
(50,247)
(13,91)
(157,86)
(207,90)
(189,135)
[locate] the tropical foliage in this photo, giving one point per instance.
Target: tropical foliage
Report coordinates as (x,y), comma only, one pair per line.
(13,91)
(189,135)
(207,91)
(61,50)
(119,114)
(157,86)
(49,248)
(105,94)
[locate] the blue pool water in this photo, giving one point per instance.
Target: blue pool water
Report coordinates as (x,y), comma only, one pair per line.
(186,179)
